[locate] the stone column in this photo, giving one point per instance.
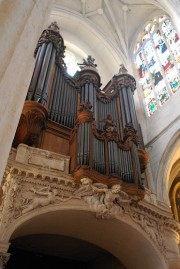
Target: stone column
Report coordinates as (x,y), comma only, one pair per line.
(172,249)
(21,23)
(4,256)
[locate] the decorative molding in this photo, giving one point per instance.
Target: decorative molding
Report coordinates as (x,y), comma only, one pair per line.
(126,80)
(43,158)
(88,75)
(110,134)
(143,159)
(27,188)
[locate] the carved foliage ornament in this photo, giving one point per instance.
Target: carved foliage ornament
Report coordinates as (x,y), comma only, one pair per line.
(126,80)
(88,78)
(51,35)
(4,257)
(85,106)
(110,134)
(152,227)
(22,195)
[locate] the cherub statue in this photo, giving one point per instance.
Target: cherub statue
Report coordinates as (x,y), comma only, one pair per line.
(122,69)
(112,196)
(89,62)
(46,196)
(90,196)
(109,124)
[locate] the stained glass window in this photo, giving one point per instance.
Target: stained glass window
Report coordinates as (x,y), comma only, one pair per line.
(157,60)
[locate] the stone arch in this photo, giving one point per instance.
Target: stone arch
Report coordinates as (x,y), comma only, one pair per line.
(169,157)
(120,237)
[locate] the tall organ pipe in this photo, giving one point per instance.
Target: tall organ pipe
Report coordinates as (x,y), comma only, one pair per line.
(49,49)
(126,87)
(89,81)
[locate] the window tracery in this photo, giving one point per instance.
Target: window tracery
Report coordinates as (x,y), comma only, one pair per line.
(157,59)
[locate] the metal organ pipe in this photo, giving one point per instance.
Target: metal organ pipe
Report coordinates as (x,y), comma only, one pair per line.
(37,69)
(48,49)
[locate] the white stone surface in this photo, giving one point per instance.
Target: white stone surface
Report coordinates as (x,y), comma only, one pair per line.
(42,158)
(21,23)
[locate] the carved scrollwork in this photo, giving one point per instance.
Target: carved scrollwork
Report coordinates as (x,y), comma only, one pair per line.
(25,191)
(85,106)
(32,122)
(152,227)
(88,77)
(110,134)
(126,80)
(51,35)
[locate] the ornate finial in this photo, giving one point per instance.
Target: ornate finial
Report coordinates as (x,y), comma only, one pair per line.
(54,26)
(122,69)
(89,62)
(52,35)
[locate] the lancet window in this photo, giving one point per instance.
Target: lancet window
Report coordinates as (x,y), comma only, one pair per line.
(157,60)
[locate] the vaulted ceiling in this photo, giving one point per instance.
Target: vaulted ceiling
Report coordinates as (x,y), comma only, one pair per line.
(105,29)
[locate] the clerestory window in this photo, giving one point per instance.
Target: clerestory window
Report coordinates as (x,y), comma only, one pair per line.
(157,59)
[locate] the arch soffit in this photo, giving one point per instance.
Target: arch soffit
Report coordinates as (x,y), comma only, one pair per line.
(169,157)
(118,237)
(91,27)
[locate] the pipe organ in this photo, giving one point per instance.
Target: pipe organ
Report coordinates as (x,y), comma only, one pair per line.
(105,142)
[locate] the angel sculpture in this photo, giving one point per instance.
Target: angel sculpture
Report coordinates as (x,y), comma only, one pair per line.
(89,195)
(109,125)
(112,196)
(45,197)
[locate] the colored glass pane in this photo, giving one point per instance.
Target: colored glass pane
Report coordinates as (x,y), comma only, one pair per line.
(162,93)
(158,63)
(151,106)
(145,37)
(173,39)
(175,84)
(141,65)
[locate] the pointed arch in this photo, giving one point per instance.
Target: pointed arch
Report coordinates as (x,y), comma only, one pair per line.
(79,223)
(169,157)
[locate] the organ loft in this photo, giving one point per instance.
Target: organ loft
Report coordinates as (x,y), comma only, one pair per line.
(77,171)
(99,130)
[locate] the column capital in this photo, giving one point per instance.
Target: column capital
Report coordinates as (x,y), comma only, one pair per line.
(4,257)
